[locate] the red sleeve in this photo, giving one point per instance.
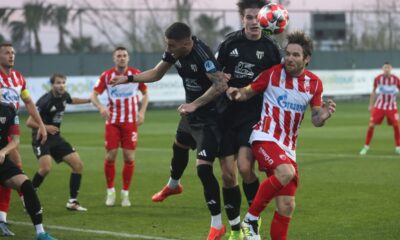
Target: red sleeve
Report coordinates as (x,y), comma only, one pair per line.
(14,130)
(143,87)
(101,83)
(262,80)
(316,100)
(22,81)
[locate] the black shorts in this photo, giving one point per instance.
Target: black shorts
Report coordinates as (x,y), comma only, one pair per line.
(236,127)
(201,135)
(8,170)
(55,146)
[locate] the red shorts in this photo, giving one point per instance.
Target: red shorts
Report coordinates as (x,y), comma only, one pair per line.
(269,156)
(377,116)
(126,134)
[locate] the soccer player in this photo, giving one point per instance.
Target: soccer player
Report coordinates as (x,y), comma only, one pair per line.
(51,107)
(11,176)
(203,82)
(123,117)
(243,55)
(14,87)
(287,90)
(387,85)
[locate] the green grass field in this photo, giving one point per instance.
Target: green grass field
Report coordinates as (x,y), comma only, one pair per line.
(341,195)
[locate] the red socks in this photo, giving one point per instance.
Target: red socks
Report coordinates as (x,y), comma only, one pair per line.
(109,171)
(267,190)
(396,135)
(5,198)
(370,133)
(279,227)
(127,173)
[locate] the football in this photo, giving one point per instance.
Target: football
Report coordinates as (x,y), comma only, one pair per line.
(273,18)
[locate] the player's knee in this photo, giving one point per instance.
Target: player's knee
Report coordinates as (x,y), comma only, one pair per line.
(229,179)
(286,208)
(77,167)
(247,172)
(44,170)
(111,155)
(285,173)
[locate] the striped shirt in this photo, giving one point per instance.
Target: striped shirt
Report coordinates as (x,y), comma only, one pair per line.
(13,85)
(387,89)
(285,101)
(123,99)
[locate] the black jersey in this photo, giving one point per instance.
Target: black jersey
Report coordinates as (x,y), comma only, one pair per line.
(9,122)
(51,108)
(192,68)
(244,59)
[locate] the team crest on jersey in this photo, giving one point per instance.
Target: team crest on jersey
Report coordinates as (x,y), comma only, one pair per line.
(260,54)
(193,67)
(3,120)
(307,86)
(178,64)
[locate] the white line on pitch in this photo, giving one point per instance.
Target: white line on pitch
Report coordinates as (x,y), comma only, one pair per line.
(322,154)
(99,232)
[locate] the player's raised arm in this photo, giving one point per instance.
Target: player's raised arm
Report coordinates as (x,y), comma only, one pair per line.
(219,86)
(152,75)
(321,114)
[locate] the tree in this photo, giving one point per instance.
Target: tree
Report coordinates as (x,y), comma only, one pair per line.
(208,29)
(59,19)
(35,14)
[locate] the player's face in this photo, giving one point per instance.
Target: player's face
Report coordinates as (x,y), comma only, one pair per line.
(295,62)
(7,57)
(177,48)
(121,58)
(250,23)
(387,69)
(59,86)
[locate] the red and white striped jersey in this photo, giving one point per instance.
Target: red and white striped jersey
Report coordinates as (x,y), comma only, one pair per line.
(285,101)
(13,85)
(387,89)
(123,99)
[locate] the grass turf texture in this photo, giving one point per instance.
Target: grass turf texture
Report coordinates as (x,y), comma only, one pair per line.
(341,195)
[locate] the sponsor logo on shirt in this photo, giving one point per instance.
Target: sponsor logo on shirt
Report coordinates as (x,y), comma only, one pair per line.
(234,53)
(287,105)
(244,70)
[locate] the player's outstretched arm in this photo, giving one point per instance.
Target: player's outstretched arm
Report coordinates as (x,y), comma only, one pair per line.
(219,86)
(372,99)
(30,107)
(240,94)
(80,100)
(152,75)
(321,114)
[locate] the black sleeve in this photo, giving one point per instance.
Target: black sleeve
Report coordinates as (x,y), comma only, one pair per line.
(41,103)
(207,60)
(68,98)
(220,55)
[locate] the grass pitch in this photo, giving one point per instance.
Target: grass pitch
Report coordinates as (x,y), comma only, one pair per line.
(341,195)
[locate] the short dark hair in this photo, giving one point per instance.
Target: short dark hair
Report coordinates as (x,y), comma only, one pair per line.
(5,44)
(178,31)
(244,4)
(56,75)
(120,48)
(301,39)
(387,62)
